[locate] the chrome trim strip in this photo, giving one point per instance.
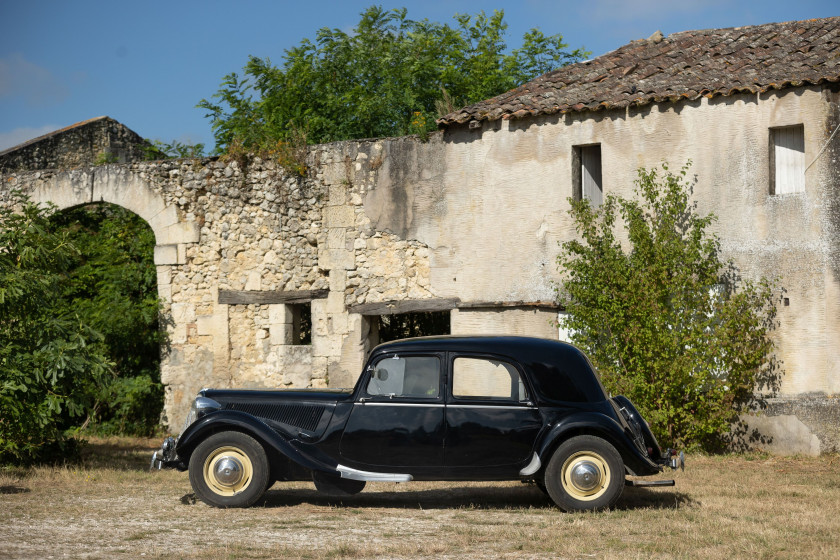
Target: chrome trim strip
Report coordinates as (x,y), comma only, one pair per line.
(354,474)
(532,467)
(441,405)
(380,403)
(501,407)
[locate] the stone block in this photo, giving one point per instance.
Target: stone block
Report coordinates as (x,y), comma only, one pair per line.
(66,189)
(327,346)
(336,238)
(339,216)
(166,254)
(120,186)
(338,280)
(338,194)
(179,232)
(335,303)
(164,275)
(278,314)
(254,281)
(183,313)
(330,259)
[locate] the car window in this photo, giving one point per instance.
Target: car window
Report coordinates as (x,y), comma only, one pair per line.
(486,379)
(409,376)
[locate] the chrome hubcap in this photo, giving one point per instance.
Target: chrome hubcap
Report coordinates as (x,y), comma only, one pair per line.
(228,471)
(585,475)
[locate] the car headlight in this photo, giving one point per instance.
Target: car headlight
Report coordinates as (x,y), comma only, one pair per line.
(200,407)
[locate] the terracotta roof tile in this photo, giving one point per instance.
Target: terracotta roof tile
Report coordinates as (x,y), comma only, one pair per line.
(684,65)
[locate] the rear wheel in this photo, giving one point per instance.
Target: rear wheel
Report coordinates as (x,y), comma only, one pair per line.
(229,469)
(585,473)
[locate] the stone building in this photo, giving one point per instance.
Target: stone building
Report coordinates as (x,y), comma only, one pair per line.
(99,140)
(468,223)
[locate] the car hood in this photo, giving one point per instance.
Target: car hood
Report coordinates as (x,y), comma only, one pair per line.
(224,396)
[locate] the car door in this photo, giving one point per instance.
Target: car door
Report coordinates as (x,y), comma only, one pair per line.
(490,419)
(398,418)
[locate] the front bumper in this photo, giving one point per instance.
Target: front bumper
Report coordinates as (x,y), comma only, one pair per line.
(166,458)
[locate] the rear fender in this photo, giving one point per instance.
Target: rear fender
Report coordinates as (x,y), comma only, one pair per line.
(225,420)
(602,426)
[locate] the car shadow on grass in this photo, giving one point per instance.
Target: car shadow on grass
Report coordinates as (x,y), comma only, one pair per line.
(482,498)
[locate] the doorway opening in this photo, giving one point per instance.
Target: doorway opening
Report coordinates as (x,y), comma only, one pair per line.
(385,328)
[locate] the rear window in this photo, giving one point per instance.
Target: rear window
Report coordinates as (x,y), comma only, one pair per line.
(566,376)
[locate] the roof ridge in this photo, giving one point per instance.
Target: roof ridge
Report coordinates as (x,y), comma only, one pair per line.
(683,65)
(54,133)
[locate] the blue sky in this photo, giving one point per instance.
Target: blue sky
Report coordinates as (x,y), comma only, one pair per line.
(147,64)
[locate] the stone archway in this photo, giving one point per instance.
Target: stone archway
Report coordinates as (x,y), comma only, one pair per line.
(118,185)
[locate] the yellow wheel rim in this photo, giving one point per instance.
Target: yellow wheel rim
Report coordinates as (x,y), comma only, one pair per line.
(586,476)
(228,471)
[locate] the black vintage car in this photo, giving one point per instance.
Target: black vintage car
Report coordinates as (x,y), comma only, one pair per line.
(437,408)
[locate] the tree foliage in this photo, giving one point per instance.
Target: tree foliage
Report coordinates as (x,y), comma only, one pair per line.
(79,337)
(389,76)
(665,319)
(51,362)
(111,284)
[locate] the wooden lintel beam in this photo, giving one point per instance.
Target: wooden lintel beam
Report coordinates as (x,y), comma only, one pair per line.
(406,306)
(550,305)
(246,297)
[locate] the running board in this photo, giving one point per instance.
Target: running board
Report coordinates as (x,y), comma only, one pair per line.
(353,474)
(644,483)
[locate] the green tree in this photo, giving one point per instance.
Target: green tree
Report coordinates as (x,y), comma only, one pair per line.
(111,284)
(50,361)
(389,76)
(664,318)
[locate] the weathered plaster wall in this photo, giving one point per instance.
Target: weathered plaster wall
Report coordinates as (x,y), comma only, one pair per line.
(790,237)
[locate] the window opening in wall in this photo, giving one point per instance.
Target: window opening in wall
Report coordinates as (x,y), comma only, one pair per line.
(787,159)
(587,177)
(301,314)
(384,328)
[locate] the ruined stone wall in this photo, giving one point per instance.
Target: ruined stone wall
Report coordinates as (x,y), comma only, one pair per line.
(471,219)
(262,232)
(78,145)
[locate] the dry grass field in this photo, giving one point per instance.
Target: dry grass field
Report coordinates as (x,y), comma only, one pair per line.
(723,507)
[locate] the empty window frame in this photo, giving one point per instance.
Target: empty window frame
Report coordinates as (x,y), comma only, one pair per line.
(787,159)
(586,174)
(301,323)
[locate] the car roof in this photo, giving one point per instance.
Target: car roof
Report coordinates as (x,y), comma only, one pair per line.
(559,371)
(492,344)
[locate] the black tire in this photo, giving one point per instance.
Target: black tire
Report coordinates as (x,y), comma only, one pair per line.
(229,469)
(585,473)
(335,486)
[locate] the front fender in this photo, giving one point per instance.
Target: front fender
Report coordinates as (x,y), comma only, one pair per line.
(224,420)
(600,425)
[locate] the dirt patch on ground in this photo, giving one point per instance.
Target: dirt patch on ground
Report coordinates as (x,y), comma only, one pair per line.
(722,507)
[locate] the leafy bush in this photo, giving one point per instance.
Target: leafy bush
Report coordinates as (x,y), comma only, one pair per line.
(667,322)
(79,337)
(50,360)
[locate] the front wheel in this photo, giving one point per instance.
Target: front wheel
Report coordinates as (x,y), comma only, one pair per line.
(585,473)
(229,469)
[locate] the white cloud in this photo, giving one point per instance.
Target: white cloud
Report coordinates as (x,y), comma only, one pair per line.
(21,135)
(37,85)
